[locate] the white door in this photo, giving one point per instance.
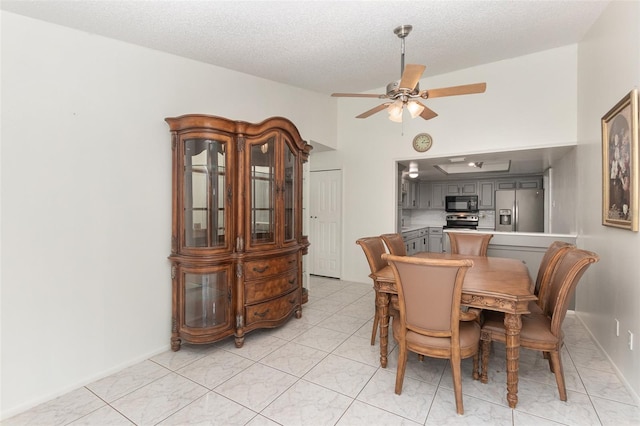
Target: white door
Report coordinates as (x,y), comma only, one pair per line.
(325,223)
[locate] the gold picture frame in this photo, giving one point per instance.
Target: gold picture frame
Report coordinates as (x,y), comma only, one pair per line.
(620,164)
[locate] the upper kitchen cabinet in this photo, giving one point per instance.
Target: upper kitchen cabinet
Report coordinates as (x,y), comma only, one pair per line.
(530,182)
(410,196)
(486,191)
(462,188)
(431,195)
(424,195)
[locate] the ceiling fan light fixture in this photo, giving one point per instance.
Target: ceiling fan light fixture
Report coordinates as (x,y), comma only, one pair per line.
(396,107)
(415,109)
(397,118)
(395,111)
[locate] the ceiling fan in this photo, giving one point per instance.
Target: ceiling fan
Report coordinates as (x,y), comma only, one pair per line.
(406,92)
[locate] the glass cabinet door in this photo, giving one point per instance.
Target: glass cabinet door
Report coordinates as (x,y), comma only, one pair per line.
(204,178)
(207,299)
(262,191)
(290,190)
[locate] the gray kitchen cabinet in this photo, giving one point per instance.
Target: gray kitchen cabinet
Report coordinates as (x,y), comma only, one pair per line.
(461,188)
(532,182)
(415,240)
(410,239)
(431,195)
(424,195)
(413,246)
(486,191)
(410,197)
(435,239)
(437,195)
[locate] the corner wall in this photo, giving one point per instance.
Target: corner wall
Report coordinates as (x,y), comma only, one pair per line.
(86,196)
(608,69)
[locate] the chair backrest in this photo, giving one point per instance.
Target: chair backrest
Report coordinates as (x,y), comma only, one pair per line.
(429,292)
(469,243)
(373,248)
(563,283)
(548,264)
(395,244)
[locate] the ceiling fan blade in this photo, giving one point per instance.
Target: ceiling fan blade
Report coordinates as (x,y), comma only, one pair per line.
(466,89)
(411,76)
(426,113)
(358,95)
(373,110)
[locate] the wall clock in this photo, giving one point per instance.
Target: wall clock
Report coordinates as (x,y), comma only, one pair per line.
(422,142)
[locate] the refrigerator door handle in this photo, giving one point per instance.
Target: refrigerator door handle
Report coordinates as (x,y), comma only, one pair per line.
(516,214)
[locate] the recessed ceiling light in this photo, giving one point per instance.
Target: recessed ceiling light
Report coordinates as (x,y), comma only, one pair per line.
(456,159)
(474,167)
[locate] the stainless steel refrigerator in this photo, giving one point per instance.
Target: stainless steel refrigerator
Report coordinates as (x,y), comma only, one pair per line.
(520,210)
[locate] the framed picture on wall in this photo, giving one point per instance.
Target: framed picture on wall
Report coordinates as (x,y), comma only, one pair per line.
(620,164)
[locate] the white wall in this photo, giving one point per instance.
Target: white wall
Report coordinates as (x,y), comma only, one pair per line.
(562,194)
(530,102)
(86,224)
(608,68)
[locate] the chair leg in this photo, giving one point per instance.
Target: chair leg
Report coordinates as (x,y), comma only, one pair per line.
(476,372)
(457,384)
(547,356)
(556,361)
(375,328)
(486,350)
(402,365)
(376,320)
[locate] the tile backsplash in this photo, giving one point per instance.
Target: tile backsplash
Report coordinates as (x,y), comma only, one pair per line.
(487,219)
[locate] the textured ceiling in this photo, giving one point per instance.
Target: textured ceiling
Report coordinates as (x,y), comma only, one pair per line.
(328,46)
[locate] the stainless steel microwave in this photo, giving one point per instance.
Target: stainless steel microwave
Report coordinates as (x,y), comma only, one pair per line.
(461,203)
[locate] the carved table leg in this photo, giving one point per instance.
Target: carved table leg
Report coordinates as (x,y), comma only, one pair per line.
(512,324)
(382,305)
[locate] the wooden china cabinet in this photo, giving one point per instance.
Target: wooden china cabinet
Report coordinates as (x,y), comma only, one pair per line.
(236,242)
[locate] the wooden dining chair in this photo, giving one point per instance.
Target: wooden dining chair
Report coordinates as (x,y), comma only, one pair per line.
(543,331)
(429,292)
(373,248)
(548,264)
(469,243)
(395,244)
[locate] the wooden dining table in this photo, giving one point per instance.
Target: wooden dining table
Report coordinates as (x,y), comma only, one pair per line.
(492,283)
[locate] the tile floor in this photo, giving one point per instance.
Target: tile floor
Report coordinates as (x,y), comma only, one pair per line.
(322,370)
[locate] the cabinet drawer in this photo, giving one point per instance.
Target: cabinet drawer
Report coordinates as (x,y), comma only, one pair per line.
(274,310)
(257,291)
(268,267)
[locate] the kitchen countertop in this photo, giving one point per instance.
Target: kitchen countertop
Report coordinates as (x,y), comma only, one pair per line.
(538,240)
(522,234)
(409,228)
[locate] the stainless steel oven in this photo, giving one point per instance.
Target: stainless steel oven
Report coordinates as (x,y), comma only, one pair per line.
(461,203)
(462,221)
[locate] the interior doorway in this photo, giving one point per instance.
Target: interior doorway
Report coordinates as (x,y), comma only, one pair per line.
(325,230)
